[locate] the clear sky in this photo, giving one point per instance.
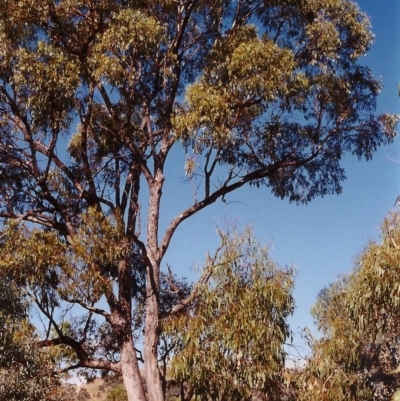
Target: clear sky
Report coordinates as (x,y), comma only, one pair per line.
(321,239)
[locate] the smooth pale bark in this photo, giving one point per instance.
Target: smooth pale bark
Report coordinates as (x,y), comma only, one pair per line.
(155,390)
(121,321)
(131,373)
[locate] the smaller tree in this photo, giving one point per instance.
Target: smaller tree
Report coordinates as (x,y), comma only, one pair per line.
(359,318)
(335,371)
(231,338)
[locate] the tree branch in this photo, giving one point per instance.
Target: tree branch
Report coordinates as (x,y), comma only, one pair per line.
(225,189)
(101,364)
(92,309)
(222,191)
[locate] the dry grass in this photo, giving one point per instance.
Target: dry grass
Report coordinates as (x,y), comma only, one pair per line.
(97,389)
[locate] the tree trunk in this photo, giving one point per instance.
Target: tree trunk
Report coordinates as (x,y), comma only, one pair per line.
(121,322)
(153,378)
(131,373)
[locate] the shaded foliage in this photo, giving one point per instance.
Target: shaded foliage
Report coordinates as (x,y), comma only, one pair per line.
(26,372)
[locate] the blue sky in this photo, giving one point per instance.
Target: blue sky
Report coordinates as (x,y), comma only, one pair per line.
(321,239)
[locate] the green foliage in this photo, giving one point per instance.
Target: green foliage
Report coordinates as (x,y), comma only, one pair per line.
(52,272)
(232,339)
(26,372)
(216,102)
(41,260)
(359,319)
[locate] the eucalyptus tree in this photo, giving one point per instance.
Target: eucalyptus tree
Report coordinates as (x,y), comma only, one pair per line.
(97,95)
(230,344)
(358,356)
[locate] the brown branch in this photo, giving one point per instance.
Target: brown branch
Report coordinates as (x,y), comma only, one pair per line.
(225,189)
(92,309)
(208,200)
(101,364)
(85,121)
(133,208)
(170,280)
(30,215)
(78,346)
(85,361)
(39,147)
(138,157)
(147,173)
(208,172)
(117,184)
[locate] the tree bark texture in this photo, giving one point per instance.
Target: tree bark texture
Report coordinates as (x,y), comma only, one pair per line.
(131,373)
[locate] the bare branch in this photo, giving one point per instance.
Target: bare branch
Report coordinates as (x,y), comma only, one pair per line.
(101,364)
(92,309)
(209,171)
(225,189)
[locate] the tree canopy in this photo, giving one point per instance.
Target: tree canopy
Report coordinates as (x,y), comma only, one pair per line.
(97,95)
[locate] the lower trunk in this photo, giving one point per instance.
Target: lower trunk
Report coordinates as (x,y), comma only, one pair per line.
(131,373)
(153,378)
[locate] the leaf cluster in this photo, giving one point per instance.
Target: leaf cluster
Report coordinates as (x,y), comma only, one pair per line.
(232,338)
